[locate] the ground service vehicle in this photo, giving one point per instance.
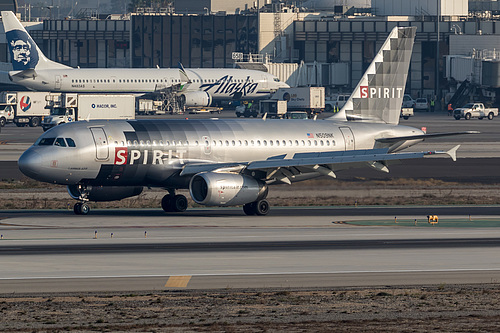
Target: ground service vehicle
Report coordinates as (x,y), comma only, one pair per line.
(474,110)
(247,110)
(25,107)
(273,108)
(74,107)
(7,108)
(406,113)
(309,99)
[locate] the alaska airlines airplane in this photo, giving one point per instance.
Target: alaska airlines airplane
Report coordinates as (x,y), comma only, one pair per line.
(197,86)
(233,162)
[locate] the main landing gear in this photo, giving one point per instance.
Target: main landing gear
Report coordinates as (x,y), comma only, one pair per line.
(260,207)
(174,203)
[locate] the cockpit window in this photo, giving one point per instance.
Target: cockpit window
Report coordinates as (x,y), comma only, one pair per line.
(71,142)
(46,141)
(60,142)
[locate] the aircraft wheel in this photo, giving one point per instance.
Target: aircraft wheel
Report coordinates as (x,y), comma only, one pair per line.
(166,203)
(249,209)
(81,208)
(261,207)
(77,208)
(180,203)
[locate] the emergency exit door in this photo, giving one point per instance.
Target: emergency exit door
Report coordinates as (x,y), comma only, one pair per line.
(348,138)
(101,143)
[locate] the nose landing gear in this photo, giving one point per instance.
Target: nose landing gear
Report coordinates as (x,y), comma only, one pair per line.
(80,193)
(81,208)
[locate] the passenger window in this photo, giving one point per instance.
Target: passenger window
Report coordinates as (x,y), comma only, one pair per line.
(46,142)
(60,142)
(71,142)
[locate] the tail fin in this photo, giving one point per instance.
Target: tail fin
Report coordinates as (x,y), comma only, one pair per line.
(379,94)
(24,53)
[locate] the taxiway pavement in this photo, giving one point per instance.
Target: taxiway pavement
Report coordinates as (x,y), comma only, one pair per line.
(146,249)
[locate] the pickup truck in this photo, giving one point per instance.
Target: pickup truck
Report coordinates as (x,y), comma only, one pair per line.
(474,110)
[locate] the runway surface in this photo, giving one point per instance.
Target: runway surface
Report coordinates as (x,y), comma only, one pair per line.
(221,248)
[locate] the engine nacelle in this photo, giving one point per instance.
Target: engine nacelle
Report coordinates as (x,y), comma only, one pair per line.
(226,189)
(105,193)
(196,98)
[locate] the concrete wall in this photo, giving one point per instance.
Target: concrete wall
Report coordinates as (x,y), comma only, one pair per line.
(420,7)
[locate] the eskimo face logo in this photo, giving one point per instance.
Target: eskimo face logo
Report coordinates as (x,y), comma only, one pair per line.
(22,50)
(25,103)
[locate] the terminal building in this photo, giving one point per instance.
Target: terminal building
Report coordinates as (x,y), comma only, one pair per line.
(316,42)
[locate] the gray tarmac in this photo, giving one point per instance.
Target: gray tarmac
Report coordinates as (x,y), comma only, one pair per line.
(114,250)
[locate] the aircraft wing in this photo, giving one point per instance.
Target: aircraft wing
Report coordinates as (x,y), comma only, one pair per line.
(423,136)
(320,162)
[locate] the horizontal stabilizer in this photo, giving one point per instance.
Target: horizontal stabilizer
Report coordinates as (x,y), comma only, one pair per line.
(28,73)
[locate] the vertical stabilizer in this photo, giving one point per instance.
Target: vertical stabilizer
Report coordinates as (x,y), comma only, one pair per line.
(24,53)
(379,94)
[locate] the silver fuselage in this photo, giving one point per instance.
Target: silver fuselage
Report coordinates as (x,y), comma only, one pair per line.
(154,152)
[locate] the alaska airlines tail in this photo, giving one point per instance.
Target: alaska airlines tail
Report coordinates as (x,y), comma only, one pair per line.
(24,53)
(379,94)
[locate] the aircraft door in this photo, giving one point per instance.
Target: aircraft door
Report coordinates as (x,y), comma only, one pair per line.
(58,82)
(348,138)
(207,148)
(101,143)
(264,82)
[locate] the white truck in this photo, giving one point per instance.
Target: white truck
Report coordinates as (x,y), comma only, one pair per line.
(75,107)
(309,99)
(23,108)
(7,107)
(475,110)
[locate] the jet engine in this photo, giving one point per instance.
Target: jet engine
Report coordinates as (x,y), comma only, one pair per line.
(195,98)
(226,189)
(104,193)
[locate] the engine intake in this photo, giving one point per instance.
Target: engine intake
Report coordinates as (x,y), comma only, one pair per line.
(105,193)
(196,98)
(226,189)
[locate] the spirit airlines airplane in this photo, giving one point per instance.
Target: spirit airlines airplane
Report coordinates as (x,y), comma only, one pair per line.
(232,162)
(198,87)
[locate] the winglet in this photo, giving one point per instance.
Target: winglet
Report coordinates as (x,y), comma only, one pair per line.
(183,74)
(453,153)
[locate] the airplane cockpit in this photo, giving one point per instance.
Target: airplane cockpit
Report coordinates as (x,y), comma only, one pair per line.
(61,142)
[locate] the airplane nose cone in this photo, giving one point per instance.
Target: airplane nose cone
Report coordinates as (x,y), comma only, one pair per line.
(29,163)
